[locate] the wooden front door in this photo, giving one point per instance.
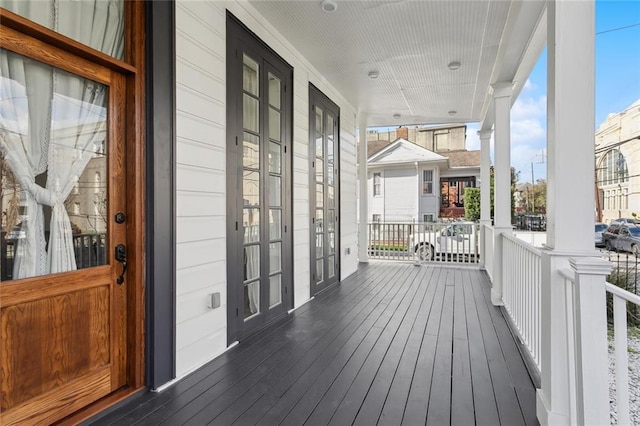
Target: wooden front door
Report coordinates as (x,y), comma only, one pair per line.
(63,293)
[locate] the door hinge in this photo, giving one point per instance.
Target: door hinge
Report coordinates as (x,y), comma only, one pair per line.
(314,276)
(236,225)
(285,228)
(237,312)
(236,141)
(285,149)
(313,220)
(313,164)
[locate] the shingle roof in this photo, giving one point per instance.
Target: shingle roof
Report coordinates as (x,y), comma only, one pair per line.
(462,158)
(374,147)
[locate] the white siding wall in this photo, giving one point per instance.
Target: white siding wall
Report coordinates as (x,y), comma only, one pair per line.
(201,202)
(401,194)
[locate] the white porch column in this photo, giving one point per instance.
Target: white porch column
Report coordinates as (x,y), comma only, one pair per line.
(485,189)
(502,181)
(363,230)
(570,202)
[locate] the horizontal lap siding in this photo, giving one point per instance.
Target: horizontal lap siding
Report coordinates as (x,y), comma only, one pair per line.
(201,174)
(201,177)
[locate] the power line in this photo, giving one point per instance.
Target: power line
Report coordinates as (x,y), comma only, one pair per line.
(619,28)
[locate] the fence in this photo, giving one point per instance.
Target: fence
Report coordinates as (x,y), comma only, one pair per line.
(455,242)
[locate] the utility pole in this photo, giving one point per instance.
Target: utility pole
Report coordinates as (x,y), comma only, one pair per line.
(533,190)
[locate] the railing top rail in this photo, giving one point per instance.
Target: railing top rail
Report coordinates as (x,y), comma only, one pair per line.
(522,244)
(623,294)
(567,274)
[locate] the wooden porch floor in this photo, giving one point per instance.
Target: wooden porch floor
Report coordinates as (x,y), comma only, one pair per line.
(392,344)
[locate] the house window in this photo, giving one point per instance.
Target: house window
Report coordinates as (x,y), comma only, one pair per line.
(427,218)
(427,182)
(452,190)
(377,218)
(377,178)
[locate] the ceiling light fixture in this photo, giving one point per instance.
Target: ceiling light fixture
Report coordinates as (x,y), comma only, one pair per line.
(396,116)
(373,74)
(453,112)
(329,6)
(453,65)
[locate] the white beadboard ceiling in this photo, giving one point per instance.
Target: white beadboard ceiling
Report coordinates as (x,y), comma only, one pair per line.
(410,43)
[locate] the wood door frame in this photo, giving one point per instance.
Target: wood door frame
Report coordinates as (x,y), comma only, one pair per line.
(133,70)
(237,35)
(328,105)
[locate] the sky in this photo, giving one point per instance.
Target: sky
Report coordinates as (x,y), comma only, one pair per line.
(617,86)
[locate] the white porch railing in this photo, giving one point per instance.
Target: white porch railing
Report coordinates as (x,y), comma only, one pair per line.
(620,298)
(455,242)
(488,250)
(521,291)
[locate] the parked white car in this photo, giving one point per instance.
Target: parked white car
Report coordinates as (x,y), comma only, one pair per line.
(457,239)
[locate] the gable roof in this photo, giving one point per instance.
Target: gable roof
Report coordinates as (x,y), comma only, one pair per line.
(403,151)
(463,158)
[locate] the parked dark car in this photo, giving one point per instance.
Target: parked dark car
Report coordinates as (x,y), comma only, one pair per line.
(600,228)
(627,238)
(610,234)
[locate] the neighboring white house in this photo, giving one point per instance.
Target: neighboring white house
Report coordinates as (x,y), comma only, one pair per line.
(618,164)
(407,182)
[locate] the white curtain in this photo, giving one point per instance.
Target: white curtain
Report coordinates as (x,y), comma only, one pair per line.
(252,270)
(39,106)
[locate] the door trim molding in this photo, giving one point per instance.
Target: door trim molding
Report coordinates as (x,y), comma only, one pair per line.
(161,203)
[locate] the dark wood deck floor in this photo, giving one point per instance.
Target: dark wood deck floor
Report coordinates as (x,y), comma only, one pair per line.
(393,344)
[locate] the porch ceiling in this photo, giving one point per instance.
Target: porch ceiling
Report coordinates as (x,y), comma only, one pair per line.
(410,43)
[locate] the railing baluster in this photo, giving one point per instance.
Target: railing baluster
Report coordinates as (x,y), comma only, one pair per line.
(622,367)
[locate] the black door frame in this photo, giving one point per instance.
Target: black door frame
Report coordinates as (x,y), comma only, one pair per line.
(317,98)
(240,38)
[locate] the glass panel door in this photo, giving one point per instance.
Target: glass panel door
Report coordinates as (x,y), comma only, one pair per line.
(323,141)
(257,184)
(62,289)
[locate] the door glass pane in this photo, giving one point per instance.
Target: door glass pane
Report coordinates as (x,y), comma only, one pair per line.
(274,124)
(331,266)
(275,158)
(330,162)
(250,81)
(275,257)
(331,202)
(97,24)
(251,262)
(319,220)
(251,151)
(319,240)
(319,270)
(251,225)
(250,113)
(319,195)
(332,242)
(275,290)
(274,91)
(275,224)
(275,191)
(250,188)
(319,133)
(54,145)
(331,220)
(330,127)
(251,299)
(319,170)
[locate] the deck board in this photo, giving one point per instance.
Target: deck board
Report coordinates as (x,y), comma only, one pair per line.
(392,344)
